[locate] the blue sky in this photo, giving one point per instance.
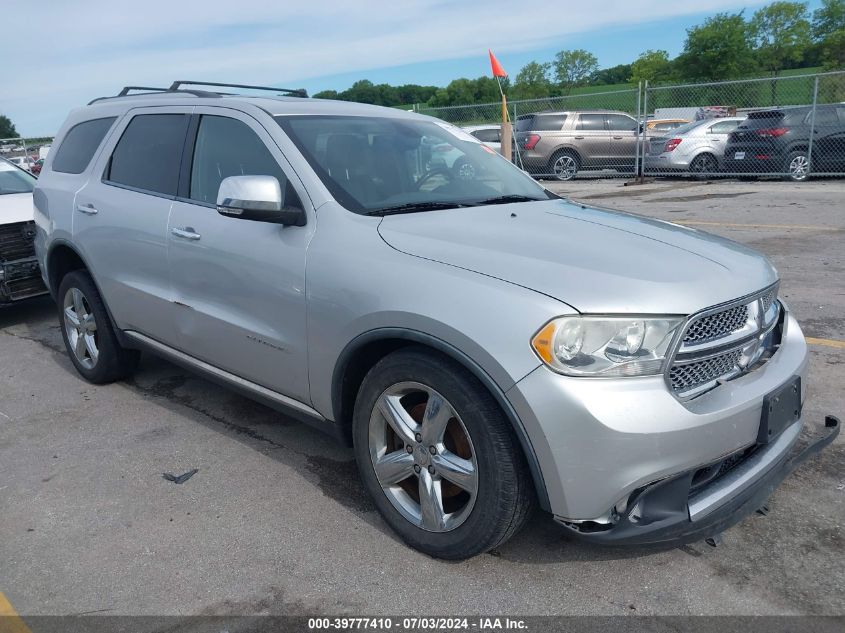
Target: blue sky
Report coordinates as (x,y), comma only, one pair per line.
(91,48)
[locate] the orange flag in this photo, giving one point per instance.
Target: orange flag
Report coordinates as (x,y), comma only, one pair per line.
(498,71)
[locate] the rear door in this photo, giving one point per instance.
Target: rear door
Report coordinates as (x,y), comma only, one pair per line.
(239,285)
(121,214)
(591,139)
(623,131)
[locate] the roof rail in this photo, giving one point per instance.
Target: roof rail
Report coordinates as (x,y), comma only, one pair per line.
(292,92)
(146,90)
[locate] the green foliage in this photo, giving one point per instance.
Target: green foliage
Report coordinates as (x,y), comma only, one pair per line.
(610,76)
(828,19)
(7,128)
(460,91)
(573,67)
(781,32)
(721,48)
(651,66)
(833,51)
(532,82)
(365,91)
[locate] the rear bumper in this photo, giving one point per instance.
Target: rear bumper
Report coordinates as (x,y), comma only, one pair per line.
(666,513)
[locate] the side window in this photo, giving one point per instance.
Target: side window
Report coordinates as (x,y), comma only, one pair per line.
(724,127)
(79,145)
(149,153)
(228,147)
(591,122)
(487,136)
(551,122)
(620,122)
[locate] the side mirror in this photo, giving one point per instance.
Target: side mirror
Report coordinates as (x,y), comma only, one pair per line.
(257,198)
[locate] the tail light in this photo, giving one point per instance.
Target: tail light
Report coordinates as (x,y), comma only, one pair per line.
(773,131)
(671,144)
(531,141)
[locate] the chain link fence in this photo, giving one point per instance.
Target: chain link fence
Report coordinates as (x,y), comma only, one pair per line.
(26,153)
(781,127)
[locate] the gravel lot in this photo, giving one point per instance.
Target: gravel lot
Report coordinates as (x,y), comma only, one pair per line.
(276,521)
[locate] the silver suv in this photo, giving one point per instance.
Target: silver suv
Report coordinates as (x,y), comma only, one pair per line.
(483,344)
(560,144)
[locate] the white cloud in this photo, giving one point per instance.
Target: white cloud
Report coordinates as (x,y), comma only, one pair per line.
(88,48)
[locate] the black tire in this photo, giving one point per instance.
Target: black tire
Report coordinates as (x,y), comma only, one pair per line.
(572,167)
(704,166)
(112,361)
(797,166)
(505,494)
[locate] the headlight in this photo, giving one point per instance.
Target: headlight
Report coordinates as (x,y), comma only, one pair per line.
(606,346)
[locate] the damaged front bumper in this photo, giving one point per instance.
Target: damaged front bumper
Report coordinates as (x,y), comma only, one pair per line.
(677,510)
(20,279)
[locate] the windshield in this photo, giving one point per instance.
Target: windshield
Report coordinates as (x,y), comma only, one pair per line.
(14,180)
(373,165)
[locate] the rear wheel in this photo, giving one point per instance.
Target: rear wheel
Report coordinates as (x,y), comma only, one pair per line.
(438,456)
(704,165)
(798,166)
(565,166)
(87,332)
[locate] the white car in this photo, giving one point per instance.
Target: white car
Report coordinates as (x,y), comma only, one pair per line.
(490,135)
(20,277)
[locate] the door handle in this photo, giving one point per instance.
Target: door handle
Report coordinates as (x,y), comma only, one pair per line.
(87,209)
(617,137)
(186,233)
(578,137)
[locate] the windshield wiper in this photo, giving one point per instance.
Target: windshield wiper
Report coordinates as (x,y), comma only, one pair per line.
(508,199)
(414,207)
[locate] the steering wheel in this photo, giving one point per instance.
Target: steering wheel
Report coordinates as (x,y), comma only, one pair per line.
(437,170)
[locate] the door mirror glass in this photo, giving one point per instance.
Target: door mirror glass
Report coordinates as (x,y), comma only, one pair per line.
(256,198)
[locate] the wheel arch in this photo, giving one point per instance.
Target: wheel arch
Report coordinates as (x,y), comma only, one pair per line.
(63,258)
(363,352)
(566,149)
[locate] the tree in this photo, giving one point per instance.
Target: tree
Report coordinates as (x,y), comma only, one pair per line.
(619,74)
(7,128)
(781,31)
(833,54)
(326,94)
(721,48)
(532,81)
(828,19)
(573,67)
(651,66)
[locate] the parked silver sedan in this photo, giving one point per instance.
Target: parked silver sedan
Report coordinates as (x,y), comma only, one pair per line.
(697,147)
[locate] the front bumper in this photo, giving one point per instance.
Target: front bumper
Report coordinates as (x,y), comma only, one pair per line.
(667,512)
(20,279)
(599,440)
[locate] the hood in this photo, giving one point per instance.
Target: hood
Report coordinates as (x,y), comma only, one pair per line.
(596,261)
(16,207)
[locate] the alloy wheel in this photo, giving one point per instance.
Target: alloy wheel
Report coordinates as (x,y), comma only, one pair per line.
(81,328)
(565,167)
(799,167)
(423,457)
(704,164)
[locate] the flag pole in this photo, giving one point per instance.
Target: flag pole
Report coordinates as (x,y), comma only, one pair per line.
(507,132)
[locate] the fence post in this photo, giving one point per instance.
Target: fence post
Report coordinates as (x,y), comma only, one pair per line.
(812,126)
(644,143)
(639,132)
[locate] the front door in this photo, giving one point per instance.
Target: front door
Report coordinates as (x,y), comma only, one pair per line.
(591,140)
(239,285)
(623,140)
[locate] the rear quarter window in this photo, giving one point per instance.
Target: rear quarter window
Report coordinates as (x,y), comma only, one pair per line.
(80,144)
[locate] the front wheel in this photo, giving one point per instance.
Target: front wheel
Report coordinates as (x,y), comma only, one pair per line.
(438,456)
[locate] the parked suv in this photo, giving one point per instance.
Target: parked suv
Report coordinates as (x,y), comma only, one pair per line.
(772,142)
(483,344)
(560,144)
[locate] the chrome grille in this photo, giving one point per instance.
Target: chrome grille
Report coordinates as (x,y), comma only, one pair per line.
(722,343)
(684,377)
(717,325)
